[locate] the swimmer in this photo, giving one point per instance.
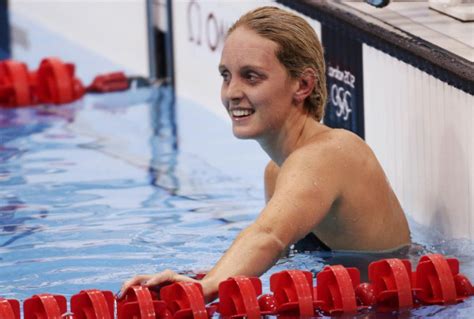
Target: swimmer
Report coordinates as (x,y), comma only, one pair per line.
(323,185)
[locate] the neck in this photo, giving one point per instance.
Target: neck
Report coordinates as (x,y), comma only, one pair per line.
(292,135)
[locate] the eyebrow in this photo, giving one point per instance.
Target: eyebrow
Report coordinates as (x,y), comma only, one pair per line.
(222,67)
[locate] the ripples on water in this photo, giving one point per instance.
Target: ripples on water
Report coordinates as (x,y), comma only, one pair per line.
(94,192)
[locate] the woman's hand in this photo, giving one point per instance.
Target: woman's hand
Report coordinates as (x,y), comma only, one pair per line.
(165,277)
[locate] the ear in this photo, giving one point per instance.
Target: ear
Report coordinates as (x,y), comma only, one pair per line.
(306,83)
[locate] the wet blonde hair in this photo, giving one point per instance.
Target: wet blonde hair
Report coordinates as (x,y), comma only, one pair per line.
(298,48)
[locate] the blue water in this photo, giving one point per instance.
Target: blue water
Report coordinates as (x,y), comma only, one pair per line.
(94,192)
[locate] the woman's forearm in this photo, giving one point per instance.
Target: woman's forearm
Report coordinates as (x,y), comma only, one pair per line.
(253,252)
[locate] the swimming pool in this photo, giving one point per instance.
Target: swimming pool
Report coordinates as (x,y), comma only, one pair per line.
(96,191)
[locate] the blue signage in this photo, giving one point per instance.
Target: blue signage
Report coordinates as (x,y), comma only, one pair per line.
(345,106)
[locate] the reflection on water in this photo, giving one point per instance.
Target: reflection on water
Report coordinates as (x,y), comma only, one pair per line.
(163,141)
(95,192)
(12,222)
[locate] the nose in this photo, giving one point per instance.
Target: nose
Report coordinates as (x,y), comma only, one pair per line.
(232,90)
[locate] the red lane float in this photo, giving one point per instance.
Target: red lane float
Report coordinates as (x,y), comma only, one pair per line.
(238,297)
(437,281)
(464,288)
(17,85)
(140,303)
(391,281)
(111,82)
(392,287)
(9,309)
(336,289)
(267,304)
(92,304)
(185,300)
(293,292)
(56,82)
(45,306)
(53,83)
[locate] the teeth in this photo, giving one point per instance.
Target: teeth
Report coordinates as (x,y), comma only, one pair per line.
(241,112)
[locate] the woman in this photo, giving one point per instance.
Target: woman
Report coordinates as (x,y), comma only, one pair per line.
(321,184)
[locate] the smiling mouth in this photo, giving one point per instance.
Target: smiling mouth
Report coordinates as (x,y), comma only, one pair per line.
(241,113)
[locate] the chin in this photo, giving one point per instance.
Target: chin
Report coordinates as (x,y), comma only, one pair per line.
(243,134)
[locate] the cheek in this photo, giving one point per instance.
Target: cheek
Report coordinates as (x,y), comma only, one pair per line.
(267,97)
(259,95)
(283,96)
(223,98)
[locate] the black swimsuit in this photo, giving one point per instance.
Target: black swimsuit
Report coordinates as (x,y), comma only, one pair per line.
(311,243)
(360,260)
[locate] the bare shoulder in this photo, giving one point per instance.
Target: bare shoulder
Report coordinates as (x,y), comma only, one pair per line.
(270,177)
(328,163)
(271,169)
(335,148)
(336,159)
(340,140)
(351,151)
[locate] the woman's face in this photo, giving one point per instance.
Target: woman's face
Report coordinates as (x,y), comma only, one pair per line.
(257,91)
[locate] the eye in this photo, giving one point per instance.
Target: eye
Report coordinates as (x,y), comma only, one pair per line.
(225,76)
(251,77)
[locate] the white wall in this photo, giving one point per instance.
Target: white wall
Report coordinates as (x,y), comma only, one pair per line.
(113,29)
(422,132)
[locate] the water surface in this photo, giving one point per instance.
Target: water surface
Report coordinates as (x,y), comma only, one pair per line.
(94,192)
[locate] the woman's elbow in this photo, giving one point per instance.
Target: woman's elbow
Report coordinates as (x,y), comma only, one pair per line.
(267,238)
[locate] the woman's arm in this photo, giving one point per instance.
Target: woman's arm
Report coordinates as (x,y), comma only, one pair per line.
(301,198)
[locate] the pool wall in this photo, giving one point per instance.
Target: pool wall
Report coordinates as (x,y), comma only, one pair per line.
(114,32)
(421,130)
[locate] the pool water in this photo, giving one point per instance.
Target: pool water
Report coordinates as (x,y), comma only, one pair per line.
(94,192)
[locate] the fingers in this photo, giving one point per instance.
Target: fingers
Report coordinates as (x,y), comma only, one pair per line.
(161,277)
(167,276)
(137,280)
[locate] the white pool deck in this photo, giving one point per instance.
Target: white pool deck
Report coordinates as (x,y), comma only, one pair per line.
(419,20)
